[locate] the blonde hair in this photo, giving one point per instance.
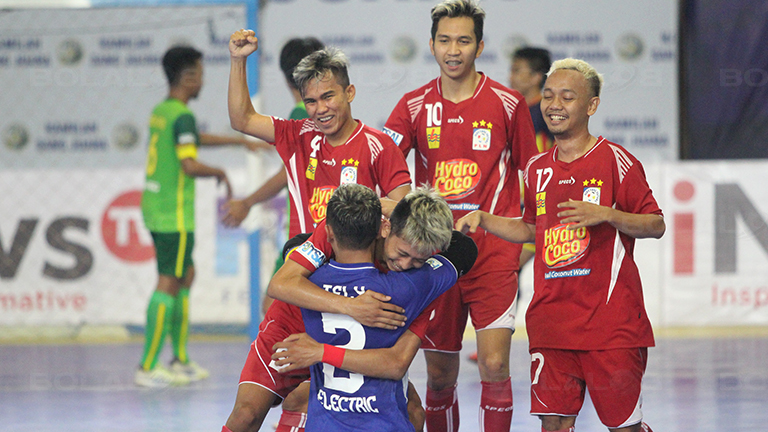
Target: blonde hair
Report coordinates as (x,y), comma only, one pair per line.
(594,79)
(424,220)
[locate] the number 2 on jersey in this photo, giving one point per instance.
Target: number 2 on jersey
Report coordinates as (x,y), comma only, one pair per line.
(332,323)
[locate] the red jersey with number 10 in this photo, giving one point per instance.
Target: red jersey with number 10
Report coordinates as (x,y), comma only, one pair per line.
(587,290)
(470,152)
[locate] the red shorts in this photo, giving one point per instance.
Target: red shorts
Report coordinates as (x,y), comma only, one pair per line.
(490,299)
(280,321)
(613,377)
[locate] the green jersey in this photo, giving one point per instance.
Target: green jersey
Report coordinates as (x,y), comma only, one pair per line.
(168,201)
(299,111)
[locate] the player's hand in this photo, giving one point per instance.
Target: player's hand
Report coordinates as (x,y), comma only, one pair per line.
(297,351)
(469,222)
(373,310)
(235,211)
(223,179)
(580,214)
(243,43)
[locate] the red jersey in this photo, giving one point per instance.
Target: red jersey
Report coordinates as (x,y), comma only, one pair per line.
(471,153)
(315,168)
(587,290)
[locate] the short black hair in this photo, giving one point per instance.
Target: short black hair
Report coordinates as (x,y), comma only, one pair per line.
(354,214)
(293,51)
(538,59)
(177,59)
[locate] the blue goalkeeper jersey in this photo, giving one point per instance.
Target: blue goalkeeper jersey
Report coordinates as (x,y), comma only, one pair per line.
(345,401)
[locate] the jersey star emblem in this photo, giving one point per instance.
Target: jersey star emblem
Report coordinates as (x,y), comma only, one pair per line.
(474,124)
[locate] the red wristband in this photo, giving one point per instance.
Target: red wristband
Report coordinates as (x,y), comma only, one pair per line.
(333,355)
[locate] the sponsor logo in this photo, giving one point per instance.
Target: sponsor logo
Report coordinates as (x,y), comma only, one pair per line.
(318,202)
(357,404)
(396,137)
(433,137)
(311,169)
(123,229)
(331,162)
(459,120)
(569,181)
(434,263)
(562,246)
(312,254)
(629,47)
(541,203)
(456,178)
(16,136)
(481,135)
(125,136)
(464,207)
(567,273)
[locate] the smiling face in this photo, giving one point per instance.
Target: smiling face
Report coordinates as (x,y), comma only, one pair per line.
(455,47)
(567,103)
(401,255)
(328,105)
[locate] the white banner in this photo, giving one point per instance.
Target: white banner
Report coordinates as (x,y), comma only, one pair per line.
(634,44)
(75,251)
(78,85)
(715,255)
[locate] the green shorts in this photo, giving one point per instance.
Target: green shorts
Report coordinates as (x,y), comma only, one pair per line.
(174,252)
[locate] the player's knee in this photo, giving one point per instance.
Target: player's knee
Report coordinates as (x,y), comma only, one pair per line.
(556,423)
(493,367)
(298,399)
(245,417)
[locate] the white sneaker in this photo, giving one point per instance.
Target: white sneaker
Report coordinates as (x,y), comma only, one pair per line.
(159,377)
(191,370)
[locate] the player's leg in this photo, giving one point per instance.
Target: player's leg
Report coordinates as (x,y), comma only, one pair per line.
(252,404)
(181,363)
(294,416)
(557,388)
(496,402)
(416,413)
(614,379)
(441,351)
(492,303)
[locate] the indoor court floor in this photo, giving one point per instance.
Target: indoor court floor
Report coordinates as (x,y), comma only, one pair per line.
(703,381)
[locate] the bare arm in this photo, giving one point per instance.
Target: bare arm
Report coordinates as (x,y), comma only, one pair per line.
(291,284)
(194,168)
(220,140)
(510,229)
(237,210)
(389,363)
(399,192)
(242,116)
(583,214)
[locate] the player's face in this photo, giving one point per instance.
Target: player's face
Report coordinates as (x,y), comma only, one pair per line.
(328,104)
(567,103)
(400,255)
(192,78)
(521,76)
(455,47)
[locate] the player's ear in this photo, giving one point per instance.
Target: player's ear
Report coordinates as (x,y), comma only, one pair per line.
(385,228)
(350,91)
(592,105)
(329,233)
(432,46)
(480,47)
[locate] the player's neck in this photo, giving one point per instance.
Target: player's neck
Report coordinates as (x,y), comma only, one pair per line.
(348,256)
(341,136)
(532,97)
(179,93)
(459,89)
(570,148)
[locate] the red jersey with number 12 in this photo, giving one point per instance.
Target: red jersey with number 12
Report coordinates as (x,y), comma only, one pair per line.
(587,290)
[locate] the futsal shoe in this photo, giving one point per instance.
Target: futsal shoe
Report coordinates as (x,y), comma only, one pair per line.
(191,370)
(159,377)
(473,357)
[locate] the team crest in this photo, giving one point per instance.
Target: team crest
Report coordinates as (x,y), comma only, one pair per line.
(592,191)
(433,137)
(481,135)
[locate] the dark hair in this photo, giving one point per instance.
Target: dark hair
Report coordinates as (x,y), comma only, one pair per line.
(327,63)
(456,9)
(293,51)
(177,59)
(354,214)
(538,59)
